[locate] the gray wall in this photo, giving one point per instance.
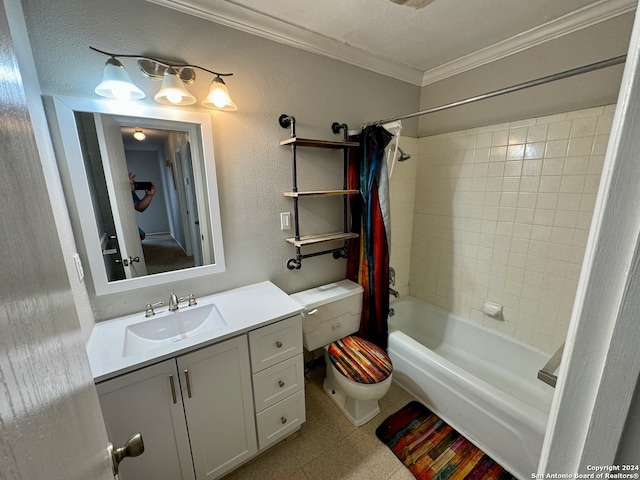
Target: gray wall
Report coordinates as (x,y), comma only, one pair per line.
(598,42)
(253,170)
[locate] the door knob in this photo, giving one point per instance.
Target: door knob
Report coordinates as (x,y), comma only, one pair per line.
(133,448)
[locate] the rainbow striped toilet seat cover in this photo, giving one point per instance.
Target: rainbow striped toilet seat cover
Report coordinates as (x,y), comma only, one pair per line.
(360,360)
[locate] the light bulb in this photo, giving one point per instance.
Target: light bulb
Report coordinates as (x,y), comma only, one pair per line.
(139,135)
(174,97)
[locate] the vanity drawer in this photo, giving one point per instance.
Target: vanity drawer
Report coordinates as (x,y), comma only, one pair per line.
(280,420)
(274,343)
(278,382)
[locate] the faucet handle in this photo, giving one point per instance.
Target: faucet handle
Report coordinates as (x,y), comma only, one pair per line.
(192,300)
(182,299)
(148,311)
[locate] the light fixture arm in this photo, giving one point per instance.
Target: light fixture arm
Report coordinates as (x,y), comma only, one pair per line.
(164,63)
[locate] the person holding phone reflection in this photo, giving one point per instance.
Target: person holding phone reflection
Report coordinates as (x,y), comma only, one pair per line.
(141,204)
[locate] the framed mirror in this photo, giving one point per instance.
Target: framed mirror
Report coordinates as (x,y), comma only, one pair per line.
(147,208)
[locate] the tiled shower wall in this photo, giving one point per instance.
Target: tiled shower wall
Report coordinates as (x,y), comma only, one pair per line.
(402,190)
(502,213)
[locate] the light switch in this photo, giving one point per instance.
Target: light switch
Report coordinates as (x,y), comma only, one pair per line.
(79,269)
(285,221)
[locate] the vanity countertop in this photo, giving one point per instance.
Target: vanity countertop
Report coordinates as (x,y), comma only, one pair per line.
(243,309)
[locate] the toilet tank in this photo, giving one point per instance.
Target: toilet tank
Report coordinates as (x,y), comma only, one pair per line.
(332,311)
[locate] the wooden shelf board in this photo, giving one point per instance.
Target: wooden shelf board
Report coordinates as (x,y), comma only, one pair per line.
(307,142)
(325,237)
(320,192)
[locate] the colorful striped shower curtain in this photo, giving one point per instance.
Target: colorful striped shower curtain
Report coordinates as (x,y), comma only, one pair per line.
(368,259)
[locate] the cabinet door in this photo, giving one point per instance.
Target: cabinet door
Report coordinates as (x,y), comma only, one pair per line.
(216,389)
(143,401)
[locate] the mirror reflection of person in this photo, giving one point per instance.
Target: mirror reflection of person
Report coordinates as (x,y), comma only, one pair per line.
(141,204)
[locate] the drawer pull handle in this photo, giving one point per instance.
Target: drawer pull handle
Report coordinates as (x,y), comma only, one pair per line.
(313,312)
(173,389)
(283,420)
(280,383)
(279,344)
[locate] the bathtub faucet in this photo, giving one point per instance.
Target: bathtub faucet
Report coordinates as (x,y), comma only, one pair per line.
(394,292)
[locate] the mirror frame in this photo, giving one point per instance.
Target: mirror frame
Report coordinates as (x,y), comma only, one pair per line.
(195,122)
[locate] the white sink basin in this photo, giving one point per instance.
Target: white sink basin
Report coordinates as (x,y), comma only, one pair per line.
(169,327)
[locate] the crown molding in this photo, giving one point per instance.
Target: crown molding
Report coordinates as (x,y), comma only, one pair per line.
(570,23)
(241,18)
(256,23)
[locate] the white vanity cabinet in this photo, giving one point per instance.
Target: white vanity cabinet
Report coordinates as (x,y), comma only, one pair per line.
(278,379)
(206,393)
(149,401)
(216,391)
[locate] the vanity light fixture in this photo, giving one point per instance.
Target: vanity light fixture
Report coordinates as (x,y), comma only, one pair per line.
(174,75)
(139,135)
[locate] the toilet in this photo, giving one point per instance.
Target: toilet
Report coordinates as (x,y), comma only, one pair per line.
(358,372)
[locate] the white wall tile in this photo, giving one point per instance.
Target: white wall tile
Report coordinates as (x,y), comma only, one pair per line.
(502,212)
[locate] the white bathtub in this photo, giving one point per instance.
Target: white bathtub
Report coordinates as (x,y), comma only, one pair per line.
(480,381)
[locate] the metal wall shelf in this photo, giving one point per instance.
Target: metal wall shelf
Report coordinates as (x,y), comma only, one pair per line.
(298,241)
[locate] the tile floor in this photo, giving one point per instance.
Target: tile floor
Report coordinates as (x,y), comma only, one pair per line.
(328,446)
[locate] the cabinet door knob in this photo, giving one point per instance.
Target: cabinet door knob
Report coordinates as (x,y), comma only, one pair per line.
(279,344)
(280,383)
(283,420)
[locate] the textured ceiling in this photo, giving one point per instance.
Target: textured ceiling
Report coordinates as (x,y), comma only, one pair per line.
(420,45)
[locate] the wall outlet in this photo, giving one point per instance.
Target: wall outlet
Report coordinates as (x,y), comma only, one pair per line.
(285,221)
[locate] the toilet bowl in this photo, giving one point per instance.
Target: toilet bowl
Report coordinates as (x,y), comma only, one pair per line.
(358,373)
(353,389)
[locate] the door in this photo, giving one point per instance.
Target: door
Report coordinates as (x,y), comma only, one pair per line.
(50,420)
(149,401)
(218,403)
(192,204)
(117,179)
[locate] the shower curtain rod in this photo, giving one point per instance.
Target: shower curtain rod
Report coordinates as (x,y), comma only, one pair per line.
(521,86)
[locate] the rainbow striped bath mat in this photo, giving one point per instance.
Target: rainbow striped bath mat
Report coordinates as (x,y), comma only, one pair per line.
(431,449)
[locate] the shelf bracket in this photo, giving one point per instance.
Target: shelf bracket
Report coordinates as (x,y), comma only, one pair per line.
(296,263)
(287,121)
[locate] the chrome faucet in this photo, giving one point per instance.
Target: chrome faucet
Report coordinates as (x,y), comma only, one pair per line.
(174,301)
(394,292)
